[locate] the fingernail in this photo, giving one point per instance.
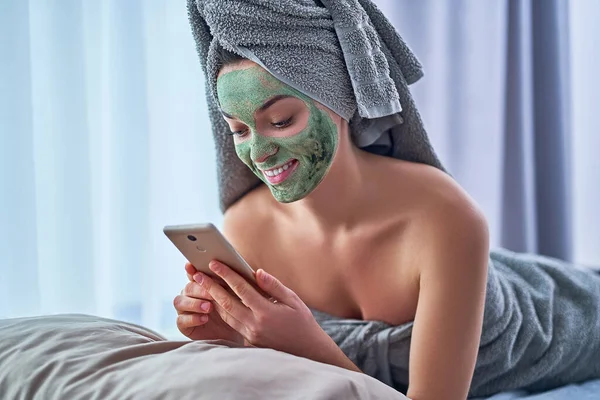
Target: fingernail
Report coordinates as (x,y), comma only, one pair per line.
(198,278)
(203,318)
(265,277)
(205,306)
(214,266)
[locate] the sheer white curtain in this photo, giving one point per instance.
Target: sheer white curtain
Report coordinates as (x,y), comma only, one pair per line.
(584,16)
(104,139)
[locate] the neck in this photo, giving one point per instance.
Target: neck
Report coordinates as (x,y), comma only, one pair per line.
(333,204)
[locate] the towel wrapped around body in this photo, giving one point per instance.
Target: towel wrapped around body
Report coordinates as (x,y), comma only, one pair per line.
(541,329)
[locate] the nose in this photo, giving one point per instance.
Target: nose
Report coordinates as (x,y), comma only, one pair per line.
(265,156)
(262,148)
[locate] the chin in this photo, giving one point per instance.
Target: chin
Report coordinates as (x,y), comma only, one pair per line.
(286,199)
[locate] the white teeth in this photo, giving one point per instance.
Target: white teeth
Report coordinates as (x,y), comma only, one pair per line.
(277,171)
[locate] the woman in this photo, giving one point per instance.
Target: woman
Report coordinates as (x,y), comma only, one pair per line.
(356,236)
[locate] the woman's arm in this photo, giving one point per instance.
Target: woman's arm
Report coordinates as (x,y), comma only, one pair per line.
(448,322)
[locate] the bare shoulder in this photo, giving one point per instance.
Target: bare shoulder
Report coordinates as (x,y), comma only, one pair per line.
(447,224)
(437,196)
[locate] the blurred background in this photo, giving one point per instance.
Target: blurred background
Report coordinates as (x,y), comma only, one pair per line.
(104,139)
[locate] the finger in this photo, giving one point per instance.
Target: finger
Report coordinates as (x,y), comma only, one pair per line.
(275,288)
(195,290)
(185,304)
(186,321)
(230,320)
(224,299)
(190,271)
(240,286)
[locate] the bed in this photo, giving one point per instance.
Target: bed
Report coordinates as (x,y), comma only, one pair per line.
(86,357)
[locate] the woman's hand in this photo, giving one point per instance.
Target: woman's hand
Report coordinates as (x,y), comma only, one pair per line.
(282,323)
(197,318)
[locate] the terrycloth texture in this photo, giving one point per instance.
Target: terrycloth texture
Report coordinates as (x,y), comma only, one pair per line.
(587,390)
(541,330)
(343,53)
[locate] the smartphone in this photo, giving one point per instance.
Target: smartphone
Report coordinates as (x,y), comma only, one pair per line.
(202,243)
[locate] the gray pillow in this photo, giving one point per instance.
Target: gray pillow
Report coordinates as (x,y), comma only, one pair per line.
(85,357)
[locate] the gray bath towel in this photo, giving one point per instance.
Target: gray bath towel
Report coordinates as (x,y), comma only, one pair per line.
(541,330)
(343,53)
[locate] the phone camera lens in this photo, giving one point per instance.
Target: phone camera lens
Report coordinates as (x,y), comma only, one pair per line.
(192,238)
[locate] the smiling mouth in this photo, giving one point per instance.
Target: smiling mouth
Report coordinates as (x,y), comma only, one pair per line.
(281,173)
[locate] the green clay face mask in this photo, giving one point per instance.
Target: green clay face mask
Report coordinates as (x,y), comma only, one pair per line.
(291,159)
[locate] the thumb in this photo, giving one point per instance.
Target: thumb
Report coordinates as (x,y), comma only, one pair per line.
(275,288)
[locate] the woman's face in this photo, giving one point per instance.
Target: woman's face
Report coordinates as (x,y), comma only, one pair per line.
(279,133)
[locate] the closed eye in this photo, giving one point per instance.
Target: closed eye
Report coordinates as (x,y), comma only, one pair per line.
(240,133)
(283,124)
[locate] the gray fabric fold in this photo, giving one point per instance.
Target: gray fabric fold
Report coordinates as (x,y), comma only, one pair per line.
(541,329)
(343,53)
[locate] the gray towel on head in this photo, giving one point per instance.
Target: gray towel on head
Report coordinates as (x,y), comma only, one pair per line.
(342,53)
(541,330)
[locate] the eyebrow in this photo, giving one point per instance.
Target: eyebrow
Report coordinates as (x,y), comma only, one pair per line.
(272,101)
(264,107)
